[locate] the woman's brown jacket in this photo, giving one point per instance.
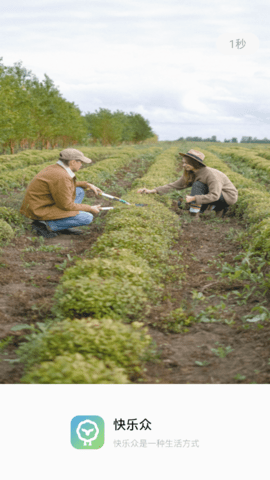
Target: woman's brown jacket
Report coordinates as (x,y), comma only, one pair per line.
(216,181)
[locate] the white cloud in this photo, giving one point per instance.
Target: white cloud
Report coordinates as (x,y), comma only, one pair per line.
(157,59)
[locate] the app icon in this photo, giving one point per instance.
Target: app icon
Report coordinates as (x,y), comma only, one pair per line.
(87,432)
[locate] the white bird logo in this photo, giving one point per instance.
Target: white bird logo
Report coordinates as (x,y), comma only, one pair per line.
(87,431)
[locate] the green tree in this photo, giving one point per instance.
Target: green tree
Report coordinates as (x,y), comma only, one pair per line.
(141,129)
(113,128)
(15,103)
(34,113)
(104,126)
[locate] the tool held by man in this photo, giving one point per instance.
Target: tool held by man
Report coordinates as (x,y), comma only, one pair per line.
(114,198)
(120,200)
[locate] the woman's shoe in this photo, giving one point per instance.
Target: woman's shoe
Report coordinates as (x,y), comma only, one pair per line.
(195,215)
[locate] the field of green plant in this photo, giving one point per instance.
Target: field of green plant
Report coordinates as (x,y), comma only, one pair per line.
(18,170)
(254,197)
(96,330)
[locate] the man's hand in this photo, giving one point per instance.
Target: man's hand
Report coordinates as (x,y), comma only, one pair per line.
(145,190)
(190,199)
(96,190)
(95,209)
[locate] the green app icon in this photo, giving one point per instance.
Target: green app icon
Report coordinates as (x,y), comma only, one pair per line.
(87,432)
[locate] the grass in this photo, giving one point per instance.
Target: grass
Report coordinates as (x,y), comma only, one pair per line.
(4,343)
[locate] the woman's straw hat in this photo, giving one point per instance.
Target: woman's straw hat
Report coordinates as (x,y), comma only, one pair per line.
(195,155)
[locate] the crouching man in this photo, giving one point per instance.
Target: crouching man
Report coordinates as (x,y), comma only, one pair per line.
(53,198)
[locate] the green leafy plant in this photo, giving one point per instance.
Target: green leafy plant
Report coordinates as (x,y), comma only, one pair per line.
(44,248)
(4,342)
(61,266)
(6,232)
(105,339)
(221,351)
(177,321)
(210,314)
(30,264)
(103,286)
(239,377)
(197,295)
(203,363)
(10,215)
(262,316)
(76,369)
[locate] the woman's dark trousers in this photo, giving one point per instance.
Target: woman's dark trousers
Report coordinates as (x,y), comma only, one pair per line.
(199,188)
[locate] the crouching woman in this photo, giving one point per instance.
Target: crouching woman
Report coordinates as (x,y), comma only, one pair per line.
(210,187)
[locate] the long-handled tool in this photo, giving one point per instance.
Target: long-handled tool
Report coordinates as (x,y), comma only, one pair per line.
(114,198)
(121,200)
(131,205)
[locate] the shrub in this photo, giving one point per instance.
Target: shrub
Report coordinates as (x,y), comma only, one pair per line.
(106,339)
(75,368)
(154,219)
(101,287)
(177,321)
(151,248)
(6,231)
(10,215)
(261,236)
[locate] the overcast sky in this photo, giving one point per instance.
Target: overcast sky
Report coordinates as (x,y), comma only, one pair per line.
(156,58)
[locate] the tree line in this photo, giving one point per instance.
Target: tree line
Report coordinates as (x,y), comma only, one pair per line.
(198,139)
(254,140)
(247,140)
(112,128)
(232,140)
(34,114)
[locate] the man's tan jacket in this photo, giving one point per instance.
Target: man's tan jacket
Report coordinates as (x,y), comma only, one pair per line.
(51,195)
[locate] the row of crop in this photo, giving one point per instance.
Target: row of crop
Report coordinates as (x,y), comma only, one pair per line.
(37,157)
(118,158)
(251,158)
(27,158)
(113,285)
(264,153)
(145,232)
(253,203)
(245,166)
(234,146)
(20,177)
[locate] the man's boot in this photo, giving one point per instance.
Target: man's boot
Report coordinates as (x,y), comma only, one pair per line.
(41,230)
